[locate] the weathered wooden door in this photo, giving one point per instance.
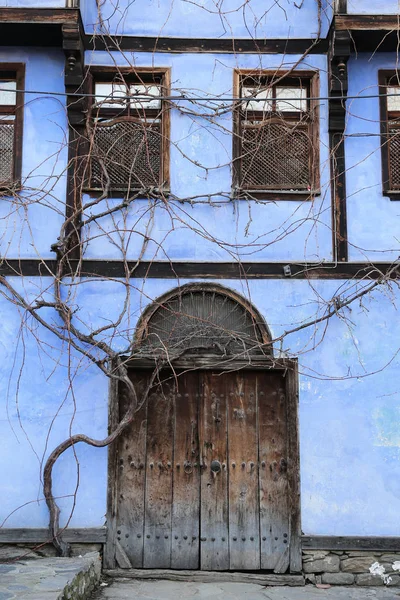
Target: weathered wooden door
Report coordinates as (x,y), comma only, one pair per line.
(202,478)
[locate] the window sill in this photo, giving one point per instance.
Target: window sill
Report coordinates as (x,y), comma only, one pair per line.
(299,195)
(392,194)
(125,193)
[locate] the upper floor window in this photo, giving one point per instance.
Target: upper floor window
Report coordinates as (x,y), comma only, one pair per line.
(11,109)
(390,127)
(129,131)
(276,134)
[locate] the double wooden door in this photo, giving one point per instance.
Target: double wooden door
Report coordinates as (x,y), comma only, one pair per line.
(202,480)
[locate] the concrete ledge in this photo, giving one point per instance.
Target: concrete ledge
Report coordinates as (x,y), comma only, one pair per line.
(50,578)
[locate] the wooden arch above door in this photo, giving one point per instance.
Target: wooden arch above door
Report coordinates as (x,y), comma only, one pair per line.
(207,475)
(202,317)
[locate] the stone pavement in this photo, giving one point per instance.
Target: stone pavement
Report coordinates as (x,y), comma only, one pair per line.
(131,589)
(50,578)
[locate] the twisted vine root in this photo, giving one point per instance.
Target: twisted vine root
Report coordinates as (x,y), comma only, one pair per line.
(62,547)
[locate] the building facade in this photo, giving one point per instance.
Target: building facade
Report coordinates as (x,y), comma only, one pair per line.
(199,225)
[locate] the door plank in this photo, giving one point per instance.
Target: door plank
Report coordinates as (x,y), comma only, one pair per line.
(244,524)
(131,458)
(158,501)
(121,557)
(292,401)
(274,509)
(214,544)
(186,475)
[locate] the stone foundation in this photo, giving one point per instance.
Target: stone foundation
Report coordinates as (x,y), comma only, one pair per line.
(30,551)
(319,566)
(350,568)
(51,578)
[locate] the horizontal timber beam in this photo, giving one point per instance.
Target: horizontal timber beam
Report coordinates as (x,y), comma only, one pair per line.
(26,535)
(36,26)
(209,576)
(333,542)
(204,45)
(39,15)
(204,270)
(367,22)
(220,270)
(369,33)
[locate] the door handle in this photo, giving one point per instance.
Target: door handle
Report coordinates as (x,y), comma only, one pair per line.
(188,467)
(216,466)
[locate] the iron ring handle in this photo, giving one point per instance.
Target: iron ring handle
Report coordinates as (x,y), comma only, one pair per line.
(188,467)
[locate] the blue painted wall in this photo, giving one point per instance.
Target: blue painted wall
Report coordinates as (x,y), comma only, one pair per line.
(44,158)
(258,18)
(373,219)
(283,230)
(47,394)
(34,3)
(349,419)
(373,7)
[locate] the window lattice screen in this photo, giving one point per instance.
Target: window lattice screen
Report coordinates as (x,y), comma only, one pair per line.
(127,153)
(274,156)
(202,319)
(394,156)
(6,152)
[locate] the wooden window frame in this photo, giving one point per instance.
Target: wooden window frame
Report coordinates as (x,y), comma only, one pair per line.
(281,78)
(136,75)
(15,71)
(383,80)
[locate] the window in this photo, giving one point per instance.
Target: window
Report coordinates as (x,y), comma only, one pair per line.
(128,132)
(389,87)
(275,138)
(11,108)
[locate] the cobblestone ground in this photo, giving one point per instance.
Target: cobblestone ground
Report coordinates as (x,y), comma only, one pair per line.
(128,589)
(50,578)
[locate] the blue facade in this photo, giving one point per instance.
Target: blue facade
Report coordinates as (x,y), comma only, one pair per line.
(349,407)
(375,237)
(348,413)
(295,231)
(44,157)
(372,7)
(257,19)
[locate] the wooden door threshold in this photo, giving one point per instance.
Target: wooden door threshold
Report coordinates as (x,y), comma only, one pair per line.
(269,579)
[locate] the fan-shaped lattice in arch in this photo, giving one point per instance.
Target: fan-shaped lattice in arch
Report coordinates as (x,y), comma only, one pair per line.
(203,318)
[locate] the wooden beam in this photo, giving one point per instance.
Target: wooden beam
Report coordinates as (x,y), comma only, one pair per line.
(39,15)
(89,535)
(77,109)
(366,22)
(35,26)
(292,421)
(326,542)
(205,270)
(209,576)
(201,45)
(339,53)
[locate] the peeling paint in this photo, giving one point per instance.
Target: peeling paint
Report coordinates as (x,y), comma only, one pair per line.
(387,424)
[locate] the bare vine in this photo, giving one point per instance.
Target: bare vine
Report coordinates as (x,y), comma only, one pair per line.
(121,218)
